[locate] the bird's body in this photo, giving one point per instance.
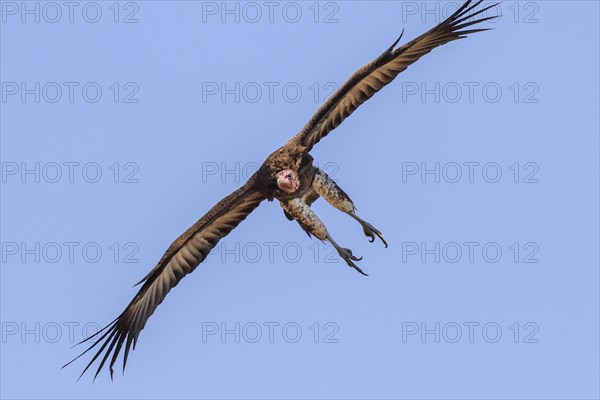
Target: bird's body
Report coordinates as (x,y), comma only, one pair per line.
(287,175)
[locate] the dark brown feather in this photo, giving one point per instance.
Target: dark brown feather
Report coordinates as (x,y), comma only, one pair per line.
(181,258)
(371,78)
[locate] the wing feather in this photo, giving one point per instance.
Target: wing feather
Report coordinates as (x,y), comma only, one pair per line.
(181,258)
(371,78)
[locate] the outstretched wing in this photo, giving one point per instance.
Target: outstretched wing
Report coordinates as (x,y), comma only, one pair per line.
(181,258)
(374,76)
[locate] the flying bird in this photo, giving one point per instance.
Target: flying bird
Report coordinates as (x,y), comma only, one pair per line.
(287,175)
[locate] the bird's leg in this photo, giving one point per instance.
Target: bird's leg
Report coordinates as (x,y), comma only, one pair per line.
(310,222)
(368,229)
(330,191)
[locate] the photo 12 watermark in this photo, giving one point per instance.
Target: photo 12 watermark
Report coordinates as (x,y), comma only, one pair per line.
(470,172)
(70,12)
(518,12)
(268,92)
(470,332)
(274,252)
(270,332)
(69,92)
(270,12)
(239,172)
(71,172)
(469,252)
(470,92)
(69,252)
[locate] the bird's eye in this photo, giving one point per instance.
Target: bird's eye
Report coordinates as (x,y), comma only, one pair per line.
(290,176)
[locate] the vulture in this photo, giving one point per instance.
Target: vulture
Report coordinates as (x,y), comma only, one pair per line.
(287,175)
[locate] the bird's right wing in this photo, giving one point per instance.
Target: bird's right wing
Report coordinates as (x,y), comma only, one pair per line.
(181,258)
(371,78)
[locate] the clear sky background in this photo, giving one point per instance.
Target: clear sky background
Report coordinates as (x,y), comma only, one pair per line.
(479,164)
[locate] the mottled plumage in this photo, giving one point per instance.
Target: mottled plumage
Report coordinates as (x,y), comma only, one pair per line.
(326,187)
(287,175)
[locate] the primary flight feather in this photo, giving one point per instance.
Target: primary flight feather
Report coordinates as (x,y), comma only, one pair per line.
(287,175)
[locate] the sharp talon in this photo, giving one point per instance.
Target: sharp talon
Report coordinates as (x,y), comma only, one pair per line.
(357,268)
(370,235)
(352,256)
(370,231)
(347,256)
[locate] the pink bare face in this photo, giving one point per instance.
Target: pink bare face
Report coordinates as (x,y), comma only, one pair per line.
(287,180)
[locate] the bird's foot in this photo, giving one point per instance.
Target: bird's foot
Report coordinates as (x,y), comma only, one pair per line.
(371,232)
(347,255)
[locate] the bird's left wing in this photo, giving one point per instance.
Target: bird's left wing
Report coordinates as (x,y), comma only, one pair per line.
(181,258)
(374,76)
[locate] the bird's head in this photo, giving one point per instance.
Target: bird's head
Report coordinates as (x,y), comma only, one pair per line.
(287,180)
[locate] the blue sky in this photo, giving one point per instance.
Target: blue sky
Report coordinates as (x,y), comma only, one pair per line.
(123,123)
